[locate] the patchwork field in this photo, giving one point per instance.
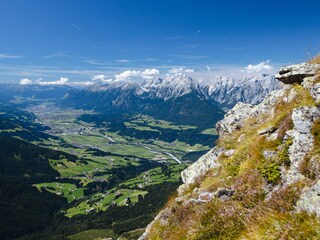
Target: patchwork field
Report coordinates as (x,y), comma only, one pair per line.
(114,161)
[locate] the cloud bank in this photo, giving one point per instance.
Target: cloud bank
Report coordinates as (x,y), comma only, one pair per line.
(260,67)
(129,74)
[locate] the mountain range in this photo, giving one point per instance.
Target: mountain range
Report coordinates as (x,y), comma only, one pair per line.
(179,98)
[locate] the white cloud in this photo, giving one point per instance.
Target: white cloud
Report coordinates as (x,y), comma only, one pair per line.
(101,77)
(94,62)
(260,67)
(122,61)
(76,26)
(61,81)
(181,70)
(57,54)
(149,73)
(129,74)
(25,81)
(4,56)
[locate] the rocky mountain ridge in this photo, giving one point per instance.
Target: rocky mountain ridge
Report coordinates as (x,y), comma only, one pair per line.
(229,91)
(225,91)
(262,178)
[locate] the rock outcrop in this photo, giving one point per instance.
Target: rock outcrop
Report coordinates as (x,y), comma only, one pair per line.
(199,168)
(297,73)
(234,118)
(302,140)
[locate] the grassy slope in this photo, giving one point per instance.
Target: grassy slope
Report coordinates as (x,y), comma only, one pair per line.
(248,215)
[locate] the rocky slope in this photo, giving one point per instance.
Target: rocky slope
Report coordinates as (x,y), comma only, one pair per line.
(262,180)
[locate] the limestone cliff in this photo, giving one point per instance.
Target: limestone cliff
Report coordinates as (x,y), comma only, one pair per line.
(262,180)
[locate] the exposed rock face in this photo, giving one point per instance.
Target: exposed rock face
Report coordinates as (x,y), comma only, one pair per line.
(200,167)
(303,119)
(310,200)
(266,106)
(296,73)
(234,119)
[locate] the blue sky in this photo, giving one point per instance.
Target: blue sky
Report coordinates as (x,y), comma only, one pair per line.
(80,39)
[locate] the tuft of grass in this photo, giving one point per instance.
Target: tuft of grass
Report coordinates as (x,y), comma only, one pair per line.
(222,220)
(284,125)
(249,189)
(275,218)
(273,226)
(315,60)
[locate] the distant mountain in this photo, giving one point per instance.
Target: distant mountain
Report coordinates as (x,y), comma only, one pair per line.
(179,100)
(229,91)
(173,87)
(9,91)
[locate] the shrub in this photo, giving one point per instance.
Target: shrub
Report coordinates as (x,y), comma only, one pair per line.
(271,172)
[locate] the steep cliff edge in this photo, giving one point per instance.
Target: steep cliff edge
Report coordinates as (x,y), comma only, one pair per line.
(262,180)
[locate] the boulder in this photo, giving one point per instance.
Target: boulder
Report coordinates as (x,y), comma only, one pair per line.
(296,73)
